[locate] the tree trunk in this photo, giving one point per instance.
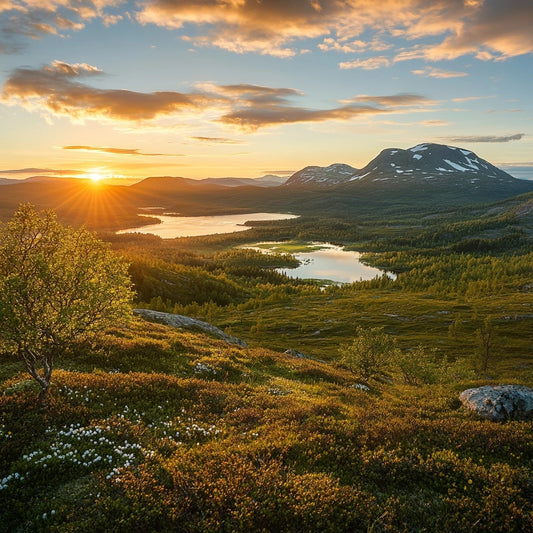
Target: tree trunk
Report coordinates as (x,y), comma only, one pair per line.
(31,359)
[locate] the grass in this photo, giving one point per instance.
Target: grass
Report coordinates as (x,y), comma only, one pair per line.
(160,430)
(332,318)
(149,428)
(287,247)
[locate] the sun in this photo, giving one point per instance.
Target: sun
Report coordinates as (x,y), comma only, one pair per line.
(95,177)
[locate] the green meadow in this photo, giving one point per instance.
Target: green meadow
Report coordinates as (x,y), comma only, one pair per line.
(152,428)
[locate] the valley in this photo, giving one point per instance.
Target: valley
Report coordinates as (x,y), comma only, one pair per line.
(150,427)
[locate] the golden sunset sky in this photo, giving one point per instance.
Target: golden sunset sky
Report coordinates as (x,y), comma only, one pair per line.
(201,88)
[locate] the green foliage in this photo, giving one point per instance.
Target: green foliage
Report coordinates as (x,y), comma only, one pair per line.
(370,354)
(418,367)
(56,284)
(258,452)
(486,342)
(197,435)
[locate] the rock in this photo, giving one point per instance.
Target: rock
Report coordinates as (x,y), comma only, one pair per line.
(361,386)
(300,355)
(181,321)
(499,402)
(295,353)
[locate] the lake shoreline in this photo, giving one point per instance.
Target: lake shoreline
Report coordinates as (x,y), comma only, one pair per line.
(323,262)
(172,226)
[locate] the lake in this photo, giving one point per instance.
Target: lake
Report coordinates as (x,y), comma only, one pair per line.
(322,261)
(330,262)
(176,226)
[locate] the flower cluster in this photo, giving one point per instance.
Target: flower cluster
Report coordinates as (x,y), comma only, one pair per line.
(184,430)
(75,446)
(202,368)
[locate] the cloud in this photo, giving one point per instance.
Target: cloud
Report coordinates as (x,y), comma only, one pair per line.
(489,29)
(330,44)
(116,151)
(486,138)
(267,27)
(256,110)
(402,99)
(431,72)
(433,123)
(254,118)
(255,106)
(23,19)
(471,98)
(34,170)
(57,89)
(372,63)
(216,140)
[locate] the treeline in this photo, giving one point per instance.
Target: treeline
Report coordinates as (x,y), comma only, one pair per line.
(452,252)
(165,276)
(453,273)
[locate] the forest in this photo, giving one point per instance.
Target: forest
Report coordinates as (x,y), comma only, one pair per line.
(153,428)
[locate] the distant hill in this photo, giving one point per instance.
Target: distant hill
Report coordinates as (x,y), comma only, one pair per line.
(314,176)
(269,180)
(420,163)
(423,178)
(424,175)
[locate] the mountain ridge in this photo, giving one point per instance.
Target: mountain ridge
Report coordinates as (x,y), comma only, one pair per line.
(424,161)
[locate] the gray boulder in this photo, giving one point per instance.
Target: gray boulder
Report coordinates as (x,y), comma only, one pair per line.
(181,321)
(499,402)
(295,353)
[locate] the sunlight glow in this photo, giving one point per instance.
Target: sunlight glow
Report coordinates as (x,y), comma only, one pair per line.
(95,176)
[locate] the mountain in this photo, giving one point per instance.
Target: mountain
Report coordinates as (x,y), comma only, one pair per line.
(429,161)
(269,180)
(421,179)
(424,164)
(322,176)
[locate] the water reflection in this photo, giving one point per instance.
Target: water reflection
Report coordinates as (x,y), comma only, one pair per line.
(332,263)
(175,226)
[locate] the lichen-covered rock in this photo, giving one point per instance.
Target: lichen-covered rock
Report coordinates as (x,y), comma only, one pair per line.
(181,321)
(499,402)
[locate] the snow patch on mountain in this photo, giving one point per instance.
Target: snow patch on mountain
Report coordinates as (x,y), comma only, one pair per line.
(424,162)
(455,165)
(323,176)
(419,148)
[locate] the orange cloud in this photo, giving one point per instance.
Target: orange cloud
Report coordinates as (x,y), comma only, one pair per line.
(471,98)
(108,150)
(265,27)
(216,140)
(57,89)
(34,170)
(257,107)
(488,29)
(494,30)
(372,63)
(394,100)
(253,112)
(254,118)
(431,72)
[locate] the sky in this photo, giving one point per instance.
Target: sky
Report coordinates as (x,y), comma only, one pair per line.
(212,88)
